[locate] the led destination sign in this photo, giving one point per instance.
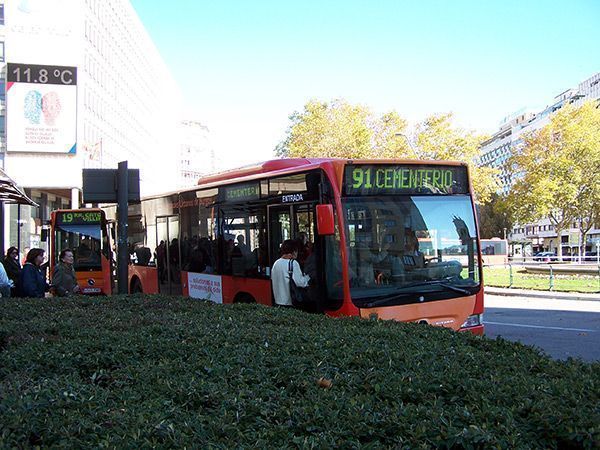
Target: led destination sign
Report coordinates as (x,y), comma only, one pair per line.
(405,179)
(242,192)
(78,218)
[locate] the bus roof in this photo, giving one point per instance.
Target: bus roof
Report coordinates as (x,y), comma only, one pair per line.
(284,166)
(274,166)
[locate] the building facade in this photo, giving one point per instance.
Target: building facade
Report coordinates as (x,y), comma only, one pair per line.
(530,238)
(196,155)
(83,86)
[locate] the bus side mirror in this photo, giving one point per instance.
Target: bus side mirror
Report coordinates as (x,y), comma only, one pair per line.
(44,235)
(325,222)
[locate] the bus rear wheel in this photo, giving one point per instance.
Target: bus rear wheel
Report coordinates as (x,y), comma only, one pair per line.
(136,287)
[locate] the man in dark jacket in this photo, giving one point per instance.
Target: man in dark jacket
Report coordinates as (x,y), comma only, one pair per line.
(64,280)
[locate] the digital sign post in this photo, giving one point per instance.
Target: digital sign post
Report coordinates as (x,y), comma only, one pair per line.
(41,108)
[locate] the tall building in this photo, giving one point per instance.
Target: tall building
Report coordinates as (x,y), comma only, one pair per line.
(82,86)
(196,155)
(500,146)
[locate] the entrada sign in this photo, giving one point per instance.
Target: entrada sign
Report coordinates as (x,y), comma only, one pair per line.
(291,198)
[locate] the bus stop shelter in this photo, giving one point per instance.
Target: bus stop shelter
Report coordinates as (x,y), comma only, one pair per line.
(10,193)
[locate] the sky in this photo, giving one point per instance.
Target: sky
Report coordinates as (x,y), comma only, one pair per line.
(243,66)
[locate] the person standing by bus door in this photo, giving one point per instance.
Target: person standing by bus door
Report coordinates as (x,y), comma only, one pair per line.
(64,280)
(280,277)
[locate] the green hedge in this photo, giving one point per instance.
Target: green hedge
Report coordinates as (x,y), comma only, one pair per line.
(151,371)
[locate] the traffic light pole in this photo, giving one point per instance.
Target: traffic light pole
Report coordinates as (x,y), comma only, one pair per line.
(122,207)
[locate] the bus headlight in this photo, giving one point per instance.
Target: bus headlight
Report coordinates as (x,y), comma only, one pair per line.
(473,321)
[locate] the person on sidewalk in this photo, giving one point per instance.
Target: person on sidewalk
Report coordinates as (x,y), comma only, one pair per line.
(32,282)
(64,280)
(5,283)
(13,268)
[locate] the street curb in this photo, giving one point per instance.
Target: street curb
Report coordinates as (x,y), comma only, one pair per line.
(541,294)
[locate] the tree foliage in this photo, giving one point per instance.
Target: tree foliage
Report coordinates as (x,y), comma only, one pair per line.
(438,139)
(339,129)
(556,171)
(494,217)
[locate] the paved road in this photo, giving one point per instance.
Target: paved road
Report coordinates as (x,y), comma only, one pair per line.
(561,328)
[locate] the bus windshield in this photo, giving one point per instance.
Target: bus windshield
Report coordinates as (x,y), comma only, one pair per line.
(84,240)
(403,245)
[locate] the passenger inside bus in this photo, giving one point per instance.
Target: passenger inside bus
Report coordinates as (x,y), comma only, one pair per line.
(143,255)
(87,254)
(366,260)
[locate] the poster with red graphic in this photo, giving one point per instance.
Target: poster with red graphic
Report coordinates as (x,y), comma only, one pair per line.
(41,108)
(207,287)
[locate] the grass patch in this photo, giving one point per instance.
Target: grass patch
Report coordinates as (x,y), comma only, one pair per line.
(152,371)
(500,277)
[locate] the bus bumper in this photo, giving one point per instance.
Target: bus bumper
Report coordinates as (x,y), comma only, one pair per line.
(478,330)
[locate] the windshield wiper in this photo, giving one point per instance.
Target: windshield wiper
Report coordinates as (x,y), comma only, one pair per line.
(442,283)
(387,299)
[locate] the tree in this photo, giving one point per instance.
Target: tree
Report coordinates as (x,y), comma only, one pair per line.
(556,172)
(339,129)
(334,130)
(438,139)
(494,217)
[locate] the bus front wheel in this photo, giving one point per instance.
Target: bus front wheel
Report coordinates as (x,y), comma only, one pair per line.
(244,297)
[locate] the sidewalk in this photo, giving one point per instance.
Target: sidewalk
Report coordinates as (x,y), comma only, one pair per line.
(541,294)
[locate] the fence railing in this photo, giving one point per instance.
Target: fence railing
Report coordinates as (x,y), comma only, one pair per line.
(566,259)
(553,276)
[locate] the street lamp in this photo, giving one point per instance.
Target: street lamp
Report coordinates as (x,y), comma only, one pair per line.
(410,144)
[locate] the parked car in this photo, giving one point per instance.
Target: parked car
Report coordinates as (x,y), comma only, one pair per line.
(591,256)
(545,256)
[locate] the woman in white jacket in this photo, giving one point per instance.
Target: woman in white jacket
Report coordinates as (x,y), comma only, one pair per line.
(280,277)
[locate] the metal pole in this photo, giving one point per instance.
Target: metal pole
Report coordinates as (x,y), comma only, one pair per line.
(122,205)
(551,278)
(19,230)
(510,276)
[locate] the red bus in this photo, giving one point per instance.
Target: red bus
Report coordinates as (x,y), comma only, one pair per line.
(88,233)
(387,238)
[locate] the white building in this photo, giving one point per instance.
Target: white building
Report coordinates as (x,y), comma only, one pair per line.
(85,87)
(196,155)
(496,151)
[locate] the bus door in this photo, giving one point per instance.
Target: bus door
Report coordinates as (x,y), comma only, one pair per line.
(168,261)
(297,221)
(290,222)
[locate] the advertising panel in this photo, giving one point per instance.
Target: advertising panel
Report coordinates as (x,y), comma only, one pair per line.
(208,287)
(41,108)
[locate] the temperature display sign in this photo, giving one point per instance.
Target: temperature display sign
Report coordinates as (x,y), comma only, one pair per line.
(33,73)
(42,116)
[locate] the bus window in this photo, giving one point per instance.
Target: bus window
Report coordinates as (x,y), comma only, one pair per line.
(395,243)
(243,241)
(86,242)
